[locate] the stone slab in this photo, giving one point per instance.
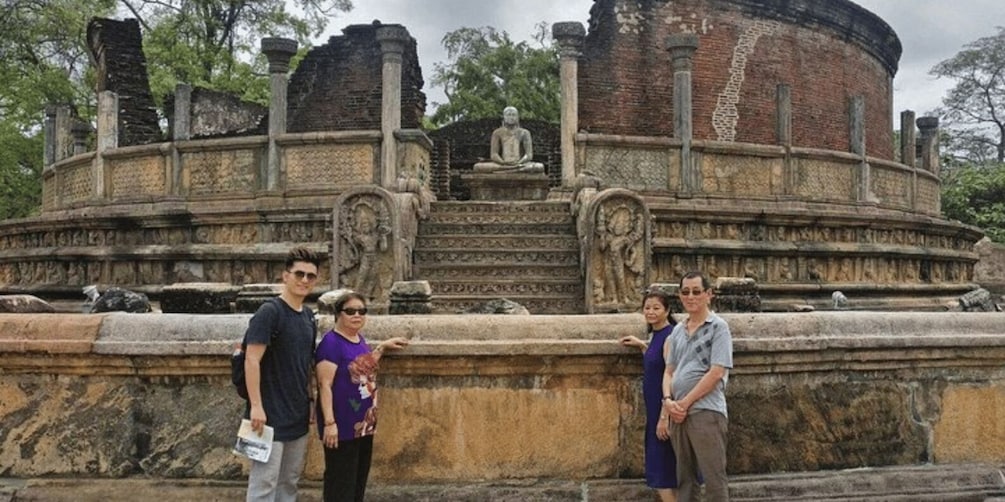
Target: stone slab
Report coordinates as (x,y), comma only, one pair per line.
(51,333)
(507,186)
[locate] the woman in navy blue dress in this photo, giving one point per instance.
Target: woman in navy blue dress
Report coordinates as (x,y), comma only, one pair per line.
(661,464)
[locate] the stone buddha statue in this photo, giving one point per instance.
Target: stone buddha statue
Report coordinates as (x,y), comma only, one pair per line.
(512,150)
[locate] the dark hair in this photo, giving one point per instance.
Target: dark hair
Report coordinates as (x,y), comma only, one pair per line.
(302,254)
(664,298)
(705,284)
(344,299)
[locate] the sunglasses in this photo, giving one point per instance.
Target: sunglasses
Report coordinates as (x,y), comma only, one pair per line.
(691,292)
(350,311)
(300,274)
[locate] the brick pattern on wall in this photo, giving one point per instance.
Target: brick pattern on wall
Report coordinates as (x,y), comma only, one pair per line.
(117,48)
(826,52)
(337,86)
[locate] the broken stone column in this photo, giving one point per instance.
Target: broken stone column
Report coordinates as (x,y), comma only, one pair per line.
(108,137)
(81,131)
(49,131)
(411,297)
(929,127)
(856,134)
(279,51)
(682,47)
(736,294)
(392,45)
(569,36)
(908,139)
(783,105)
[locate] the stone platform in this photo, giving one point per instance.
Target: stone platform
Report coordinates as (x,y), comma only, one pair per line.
(507,186)
(953,483)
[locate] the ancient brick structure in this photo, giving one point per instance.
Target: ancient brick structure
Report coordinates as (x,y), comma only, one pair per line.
(337,85)
(117,49)
(825,51)
(220,114)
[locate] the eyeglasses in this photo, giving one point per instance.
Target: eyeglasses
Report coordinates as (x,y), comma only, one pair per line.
(691,292)
(351,311)
(300,274)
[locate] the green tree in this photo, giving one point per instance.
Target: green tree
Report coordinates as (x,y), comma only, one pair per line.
(43,60)
(214,43)
(975,195)
(488,71)
(974,109)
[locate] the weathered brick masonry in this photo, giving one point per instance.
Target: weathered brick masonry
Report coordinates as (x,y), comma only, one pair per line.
(337,86)
(828,51)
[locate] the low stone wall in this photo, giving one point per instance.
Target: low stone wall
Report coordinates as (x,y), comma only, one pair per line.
(481,398)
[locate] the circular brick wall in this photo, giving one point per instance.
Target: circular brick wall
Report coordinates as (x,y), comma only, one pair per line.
(827,51)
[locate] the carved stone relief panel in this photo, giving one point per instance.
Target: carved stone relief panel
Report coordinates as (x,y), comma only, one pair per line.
(222,171)
(820,180)
(137,177)
(76,184)
(749,176)
(634,168)
(892,187)
(337,166)
(617,250)
(364,242)
(928,196)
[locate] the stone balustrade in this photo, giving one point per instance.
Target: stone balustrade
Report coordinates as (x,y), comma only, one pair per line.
(117,395)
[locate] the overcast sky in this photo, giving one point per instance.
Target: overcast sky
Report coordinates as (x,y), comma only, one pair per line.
(929,30)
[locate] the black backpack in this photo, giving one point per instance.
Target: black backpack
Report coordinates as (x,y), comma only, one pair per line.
(237,358)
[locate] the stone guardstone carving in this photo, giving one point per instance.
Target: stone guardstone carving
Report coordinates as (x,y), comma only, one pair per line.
(615,232)
(373,239)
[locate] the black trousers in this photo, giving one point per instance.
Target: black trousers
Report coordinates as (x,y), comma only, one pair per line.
(347,469)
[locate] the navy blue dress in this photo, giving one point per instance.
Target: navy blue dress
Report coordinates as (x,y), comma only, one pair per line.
(661,464)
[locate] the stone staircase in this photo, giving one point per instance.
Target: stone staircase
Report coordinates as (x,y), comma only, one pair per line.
(525,251)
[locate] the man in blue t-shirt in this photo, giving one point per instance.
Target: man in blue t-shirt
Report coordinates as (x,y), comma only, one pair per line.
(278,361)
(694,385)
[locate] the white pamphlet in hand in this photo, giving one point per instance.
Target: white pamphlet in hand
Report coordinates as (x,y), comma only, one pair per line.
(251,445)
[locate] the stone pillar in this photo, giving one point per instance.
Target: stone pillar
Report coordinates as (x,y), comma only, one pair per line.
(279,51)
(929,127)
(49,131)
(908,139)
(783,134)
(63,134)
(856,135)
(81,131)
(108,137)
(783,106)
(181,129)
(392,45)
(682,47)
(569,36)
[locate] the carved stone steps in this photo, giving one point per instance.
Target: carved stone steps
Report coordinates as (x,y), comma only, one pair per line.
(526,251)
(498,272)
(450,304)
(496,242)
(490,258)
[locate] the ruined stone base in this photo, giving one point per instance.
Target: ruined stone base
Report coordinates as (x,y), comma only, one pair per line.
(960,482)
(507,186)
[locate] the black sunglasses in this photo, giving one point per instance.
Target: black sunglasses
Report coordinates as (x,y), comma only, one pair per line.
(351,311)
(300,274)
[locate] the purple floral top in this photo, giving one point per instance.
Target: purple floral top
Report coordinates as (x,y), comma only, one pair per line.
(354,389)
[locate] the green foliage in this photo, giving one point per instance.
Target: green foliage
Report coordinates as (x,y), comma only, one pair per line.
(488,71)
(975,195)
(20,172)
(974,109)
(215,43)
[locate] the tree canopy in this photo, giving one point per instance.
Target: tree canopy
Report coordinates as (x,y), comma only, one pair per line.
(488,71)
(214,43)
(973,110)
(975,195)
